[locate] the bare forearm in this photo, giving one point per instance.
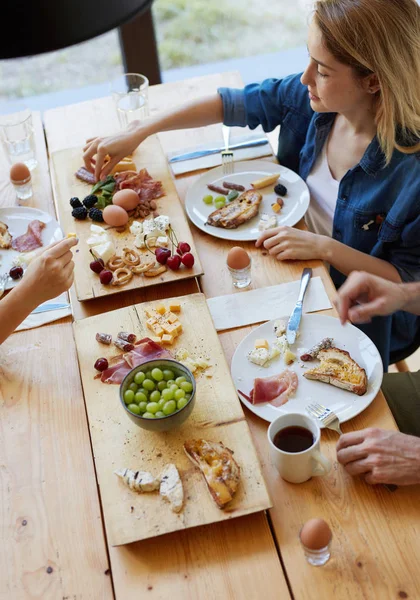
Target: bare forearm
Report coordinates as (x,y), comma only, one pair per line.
(411,297)
(14,309)
(346,259)
(197,113)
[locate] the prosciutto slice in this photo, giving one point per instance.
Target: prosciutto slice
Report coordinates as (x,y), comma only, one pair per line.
(142,182)
(30,240)
(146,349)
(276,389)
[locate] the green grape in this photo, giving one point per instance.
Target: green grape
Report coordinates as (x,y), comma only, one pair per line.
(219,205)
(148,375)
(180,380)
(170,382)
(133,386)
(152,407)
(188,396)
(128,396)
(168,375)
(157,374)
(148,384)
(174,387)
(154,396)
(181,403)
(169,407)
(148,415)
(139,377)
(167,395)
(220,199)
(140,397)
(159,414)
(161,403)
(143,407)
(161,386)
(208,199)
(134,408)
(187,386)
(179,394)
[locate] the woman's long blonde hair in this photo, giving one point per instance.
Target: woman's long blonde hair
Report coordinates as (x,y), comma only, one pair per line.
(380,37)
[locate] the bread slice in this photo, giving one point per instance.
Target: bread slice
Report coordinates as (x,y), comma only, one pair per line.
(5,237)
(338,368)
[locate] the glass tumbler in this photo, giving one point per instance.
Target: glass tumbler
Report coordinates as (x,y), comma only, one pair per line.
(241,277)
(130,94)
(18,138)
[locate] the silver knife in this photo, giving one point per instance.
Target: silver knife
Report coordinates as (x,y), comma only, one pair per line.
(294,321)
(208,151)
(50,306)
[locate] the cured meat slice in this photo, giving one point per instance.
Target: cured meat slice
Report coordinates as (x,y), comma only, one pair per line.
(84,175)
(145,349)
(116,373)
(275,389)
(31,239)
(142,182)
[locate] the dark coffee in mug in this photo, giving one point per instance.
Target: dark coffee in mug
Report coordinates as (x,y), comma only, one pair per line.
(293,439)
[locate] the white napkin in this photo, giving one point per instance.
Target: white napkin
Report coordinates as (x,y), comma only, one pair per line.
(215,160)
(36,320)
(265,304)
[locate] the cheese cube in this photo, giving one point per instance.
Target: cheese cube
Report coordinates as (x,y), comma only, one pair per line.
(178,327)
(156,338)
(105,251)
(289,357)
(261,344)
(276,207)
(162,241)
(175,307)
(167,339)
(150,322)
(162,223)
(151,312)
(171,318)
(168,328)
(258,356)
(136,227)
(139,241)
(161,309)
(157,329)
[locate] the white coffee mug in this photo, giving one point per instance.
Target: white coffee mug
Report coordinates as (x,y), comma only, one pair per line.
(298,467)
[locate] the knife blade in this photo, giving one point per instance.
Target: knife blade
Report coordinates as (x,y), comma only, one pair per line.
(295,317)
(51,306)
(208,151)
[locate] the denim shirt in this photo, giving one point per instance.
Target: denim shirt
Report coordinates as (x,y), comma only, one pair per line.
(378,207)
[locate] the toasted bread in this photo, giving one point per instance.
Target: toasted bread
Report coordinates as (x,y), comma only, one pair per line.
(338,368)
(5,237)
(237,212)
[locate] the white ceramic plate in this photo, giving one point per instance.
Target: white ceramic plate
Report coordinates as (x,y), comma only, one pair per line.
(296,201)
(18,219)
(313,328)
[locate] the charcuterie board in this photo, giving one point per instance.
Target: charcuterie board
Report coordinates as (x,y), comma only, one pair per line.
(149,155)
(119,443)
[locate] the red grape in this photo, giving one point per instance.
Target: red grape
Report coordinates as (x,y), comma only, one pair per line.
(16,272)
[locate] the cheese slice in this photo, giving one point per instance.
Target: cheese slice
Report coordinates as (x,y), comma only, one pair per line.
(105,251)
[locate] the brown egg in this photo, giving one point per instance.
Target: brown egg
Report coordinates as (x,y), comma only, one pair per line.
(19,172)
(238,258)
(115,216)
(315,534)
(127,199)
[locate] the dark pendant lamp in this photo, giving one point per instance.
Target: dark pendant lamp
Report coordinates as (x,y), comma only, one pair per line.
(36,26)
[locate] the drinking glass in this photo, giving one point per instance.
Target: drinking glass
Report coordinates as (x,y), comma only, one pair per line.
(18,138)
(130,94)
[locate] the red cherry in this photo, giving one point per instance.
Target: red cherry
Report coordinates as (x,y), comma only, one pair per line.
(16,272)
(174,262)
(101,364)
(97,265)
(187,260)
(183,247)
(162,255)
(105,277)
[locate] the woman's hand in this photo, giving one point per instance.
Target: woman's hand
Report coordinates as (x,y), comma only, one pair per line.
(116,146)
(381,456)
(364,296)
(288,243)
(51,273)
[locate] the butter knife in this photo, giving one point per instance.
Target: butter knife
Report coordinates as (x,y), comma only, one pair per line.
(294,321)
(208,151)
(50,306)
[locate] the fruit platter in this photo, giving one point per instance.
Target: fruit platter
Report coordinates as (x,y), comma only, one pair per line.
(165,447)
(131,226)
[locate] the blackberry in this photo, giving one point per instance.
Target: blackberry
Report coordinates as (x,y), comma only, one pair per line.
(96,215)
(75,203)
(90,201)
(79,213)
(280,189)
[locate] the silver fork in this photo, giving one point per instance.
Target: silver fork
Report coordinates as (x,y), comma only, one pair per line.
(327,417)
(227,155)
(3,281)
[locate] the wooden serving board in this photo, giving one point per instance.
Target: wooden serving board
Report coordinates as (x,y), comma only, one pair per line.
(119,443)
(149,155)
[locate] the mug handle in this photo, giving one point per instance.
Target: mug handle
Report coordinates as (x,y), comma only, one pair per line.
(320,464)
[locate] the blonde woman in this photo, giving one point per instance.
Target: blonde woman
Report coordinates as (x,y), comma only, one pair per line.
(350,126)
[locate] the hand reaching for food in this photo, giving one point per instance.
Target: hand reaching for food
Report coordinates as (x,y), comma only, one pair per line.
(116,147)
(288,243)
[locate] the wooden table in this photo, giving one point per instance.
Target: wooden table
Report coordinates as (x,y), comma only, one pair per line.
(51,515)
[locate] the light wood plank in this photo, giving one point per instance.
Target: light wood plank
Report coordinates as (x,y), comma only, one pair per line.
(50,514)
(119,443)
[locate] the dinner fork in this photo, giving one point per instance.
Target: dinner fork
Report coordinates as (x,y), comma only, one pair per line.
(227,155)
(3,281)
(327,417)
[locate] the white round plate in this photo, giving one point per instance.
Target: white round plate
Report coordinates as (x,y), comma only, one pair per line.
(313,328)
(17,218)
(296,201)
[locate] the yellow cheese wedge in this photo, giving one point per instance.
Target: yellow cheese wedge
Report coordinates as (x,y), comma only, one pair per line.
(265,181)
(161,309)
(126,164)
(261,344)
(175,307)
